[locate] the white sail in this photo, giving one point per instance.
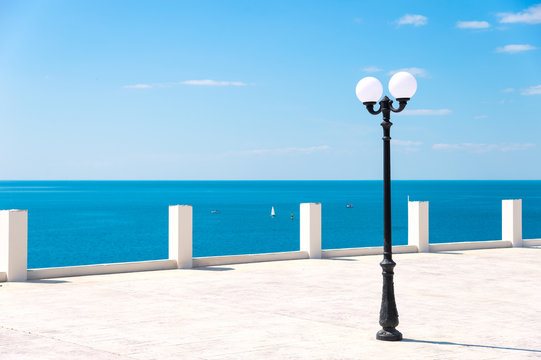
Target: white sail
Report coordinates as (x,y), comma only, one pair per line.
(273,214)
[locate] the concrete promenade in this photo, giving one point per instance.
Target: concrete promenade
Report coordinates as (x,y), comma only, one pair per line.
(475,304)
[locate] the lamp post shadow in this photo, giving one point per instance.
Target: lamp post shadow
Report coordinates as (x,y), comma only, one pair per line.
(470,345)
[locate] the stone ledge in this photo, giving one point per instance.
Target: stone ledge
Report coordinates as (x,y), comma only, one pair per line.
(248,258)
(100,269)
(377,250)
(471,245)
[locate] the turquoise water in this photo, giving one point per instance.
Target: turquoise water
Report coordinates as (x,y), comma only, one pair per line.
(88,222)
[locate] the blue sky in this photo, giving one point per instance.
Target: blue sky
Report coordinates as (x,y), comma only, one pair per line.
(266,89)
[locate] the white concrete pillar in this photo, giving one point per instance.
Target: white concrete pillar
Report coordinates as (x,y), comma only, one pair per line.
(180,235)
(13,244)
(512,221)
(310,230)
(418,225)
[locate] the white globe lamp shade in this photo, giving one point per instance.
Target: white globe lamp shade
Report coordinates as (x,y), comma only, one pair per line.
(402,85)
(369,89)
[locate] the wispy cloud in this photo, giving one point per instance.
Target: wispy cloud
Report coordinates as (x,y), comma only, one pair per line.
(472,25)
(508,90)
(512,49)
(478,117)
(532,90)
(483,148)
(212,83)
(187,82)
(412,70)
(286,150)
(372,69)
(138,86)
(531,15)
(412,19)
(407,145)
(427,112)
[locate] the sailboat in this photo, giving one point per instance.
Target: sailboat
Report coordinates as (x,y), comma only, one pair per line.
(273,214)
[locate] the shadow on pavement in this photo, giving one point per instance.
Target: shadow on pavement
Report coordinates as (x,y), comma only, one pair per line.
(341,259)
(470,345)
(213,268)
(48,281)
(447,252)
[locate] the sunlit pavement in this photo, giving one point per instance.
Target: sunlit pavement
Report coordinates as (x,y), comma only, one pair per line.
(477,304)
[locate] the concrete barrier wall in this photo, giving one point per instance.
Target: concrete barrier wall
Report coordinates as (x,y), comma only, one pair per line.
(472,245)
(531,242)
(248,258)
(13,242)
(378,250)
(100,269)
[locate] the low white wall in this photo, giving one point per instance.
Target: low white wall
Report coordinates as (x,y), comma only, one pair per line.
(531,242)
(377,250)
(472,245)
(180,243)
(248,258)
(100,269)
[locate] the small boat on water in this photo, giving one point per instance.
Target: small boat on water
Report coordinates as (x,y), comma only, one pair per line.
(273,214)
(349,206)
(214,211)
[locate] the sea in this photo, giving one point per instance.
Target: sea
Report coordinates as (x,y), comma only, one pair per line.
(92,222)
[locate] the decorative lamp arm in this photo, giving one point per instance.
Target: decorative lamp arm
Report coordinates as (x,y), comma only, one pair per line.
(402,104)
(370,107)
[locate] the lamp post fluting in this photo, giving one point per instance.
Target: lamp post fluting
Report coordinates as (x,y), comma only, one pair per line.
(369,90)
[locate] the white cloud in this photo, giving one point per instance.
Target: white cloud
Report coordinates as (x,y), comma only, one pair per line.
(472,25)
(407,143)
(138,86)
(188,82)
(478,117)
(415,20)
(483,148)
(532,90)
(372,69)
(508,90)
(287,150)
(511,49)
(412,70)
(531,15)
(212,83)
(427,112)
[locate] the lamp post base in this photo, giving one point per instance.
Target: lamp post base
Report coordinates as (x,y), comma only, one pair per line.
(389,335)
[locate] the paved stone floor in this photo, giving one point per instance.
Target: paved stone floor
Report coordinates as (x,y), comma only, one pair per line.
(477,304)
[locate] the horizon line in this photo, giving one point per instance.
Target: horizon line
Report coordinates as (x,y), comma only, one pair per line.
(171,180)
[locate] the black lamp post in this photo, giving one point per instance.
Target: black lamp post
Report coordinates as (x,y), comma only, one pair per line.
(369,90)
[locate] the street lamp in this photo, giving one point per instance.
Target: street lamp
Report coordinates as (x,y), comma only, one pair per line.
(369,90)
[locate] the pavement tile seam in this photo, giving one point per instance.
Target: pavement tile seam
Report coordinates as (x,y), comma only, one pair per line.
(26,332)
